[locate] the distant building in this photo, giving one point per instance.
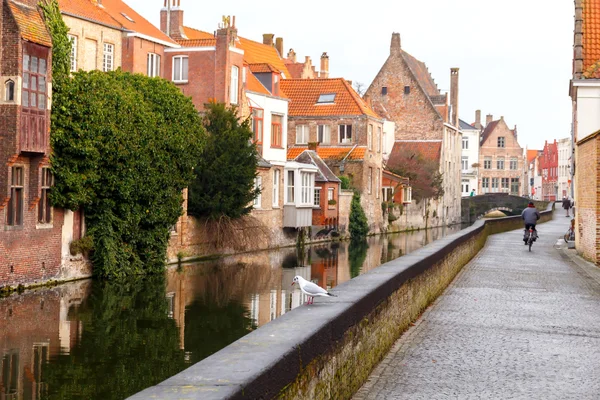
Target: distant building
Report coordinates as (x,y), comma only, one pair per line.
(565,158)
(469,161)
(549,167)
(534,174)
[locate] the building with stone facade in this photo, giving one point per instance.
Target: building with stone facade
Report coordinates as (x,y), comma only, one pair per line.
(549,170)
(565,158)
(405,90)
(502,160)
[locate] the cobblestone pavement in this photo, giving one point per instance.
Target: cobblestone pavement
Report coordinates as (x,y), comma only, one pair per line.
(512,325)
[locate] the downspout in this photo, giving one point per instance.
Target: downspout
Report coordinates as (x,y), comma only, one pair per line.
(344,159)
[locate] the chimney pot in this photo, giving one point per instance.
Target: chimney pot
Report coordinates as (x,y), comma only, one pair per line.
(324,66)
(395,46)
(279,46)
(478,119)
(291,55)
(268,39)
(488,118)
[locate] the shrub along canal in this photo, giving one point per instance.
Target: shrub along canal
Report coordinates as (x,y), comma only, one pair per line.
(108,340)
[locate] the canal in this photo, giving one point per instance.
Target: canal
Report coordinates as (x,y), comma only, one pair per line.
(107,340)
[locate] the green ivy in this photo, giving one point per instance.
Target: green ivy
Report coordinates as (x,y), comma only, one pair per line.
(124,147)
(61,45)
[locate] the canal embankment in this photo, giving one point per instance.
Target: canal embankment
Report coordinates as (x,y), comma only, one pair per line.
(328,350)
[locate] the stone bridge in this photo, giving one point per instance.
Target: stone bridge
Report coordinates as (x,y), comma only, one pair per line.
(475,207)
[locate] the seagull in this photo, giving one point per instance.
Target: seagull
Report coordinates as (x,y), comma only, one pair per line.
(310,289)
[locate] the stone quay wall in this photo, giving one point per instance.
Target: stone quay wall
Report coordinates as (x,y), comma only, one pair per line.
(328,350)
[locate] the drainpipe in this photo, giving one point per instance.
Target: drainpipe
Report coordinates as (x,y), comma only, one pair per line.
(344,160)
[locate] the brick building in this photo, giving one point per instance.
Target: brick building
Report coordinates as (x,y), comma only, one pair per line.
(549,170)
(405,90)
(349,134)
(502,159)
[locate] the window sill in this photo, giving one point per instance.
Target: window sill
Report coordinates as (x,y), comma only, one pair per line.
(276,147)
(276,207)
(44,226)
(14,227)
(180,82)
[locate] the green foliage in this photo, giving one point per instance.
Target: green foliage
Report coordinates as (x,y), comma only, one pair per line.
(358,226)
(123,149)
(82,246)
(61,45)
(223,184)
(345,182)
(357,254)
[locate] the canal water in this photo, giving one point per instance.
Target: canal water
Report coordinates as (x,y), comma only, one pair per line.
(107,340)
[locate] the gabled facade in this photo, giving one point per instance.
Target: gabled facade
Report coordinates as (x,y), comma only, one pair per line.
(405,90)
(534,174)
(329,113)
(502,161)
(565,158)
(549,169)
(469,160)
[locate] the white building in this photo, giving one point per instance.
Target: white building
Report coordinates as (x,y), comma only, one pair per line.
(469,157)
(565,154)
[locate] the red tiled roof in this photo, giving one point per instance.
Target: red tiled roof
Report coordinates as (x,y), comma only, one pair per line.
(254,85)
(304,94)
(532,154)
(262,67)
(30,22)
(257,53)
(198,42)
(429,150)
(193,34)
(295,69)
(331,153)
(421,73)
(591,35)
(88,10)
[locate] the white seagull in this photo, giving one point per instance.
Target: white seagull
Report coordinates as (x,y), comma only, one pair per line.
(310,289)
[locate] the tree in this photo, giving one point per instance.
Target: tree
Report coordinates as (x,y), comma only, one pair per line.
(360,88)
(223,185)
(425,178)
(124,147)
(61,45)
(358,225)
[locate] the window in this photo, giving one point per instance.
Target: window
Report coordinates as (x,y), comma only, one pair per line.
(15,203)
(377,182)
(10,375)
(514,163)
(40,358)
(234,88)
(501,142)
(307,197)
(465,142)
(258,198)
(505,183)
(500,163)
(388,194)
(9,90)
(495,184)
(487,163)
(465,186)
(276,175)
(370,180)
(302,134)
(379,145)
(108,57)
(44,208)
(317,202)
(384,90)
(324,134)
(326,98)
(73,55)
(180,69)
(514,186)
(406,89)
(276,130)
(407,194)
(330,194)
(485,185)
(153,65)
(290,187)
(370,137)
(464,163)
(257,124)
(34,83)
(345,134)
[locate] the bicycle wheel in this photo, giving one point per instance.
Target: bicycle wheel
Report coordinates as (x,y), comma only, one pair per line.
(530,243)
(566,237)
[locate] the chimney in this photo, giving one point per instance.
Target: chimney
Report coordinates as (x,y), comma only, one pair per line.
(279,46)
(268,39)
(171,19)
(478,119)
(578,45)
(367,100)
(454,95)
(395,47)
(291,55)
(488,118)
(313,146)
(324,66)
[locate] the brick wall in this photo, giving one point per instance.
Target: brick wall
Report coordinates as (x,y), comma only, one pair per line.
(135,55)
(326,214)
(587,206)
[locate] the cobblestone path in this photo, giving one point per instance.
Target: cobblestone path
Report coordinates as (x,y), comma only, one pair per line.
(512,325)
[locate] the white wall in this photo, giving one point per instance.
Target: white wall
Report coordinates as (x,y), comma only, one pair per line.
(564,167)
(588,104)
(389,129)
(276,106)
(472,152)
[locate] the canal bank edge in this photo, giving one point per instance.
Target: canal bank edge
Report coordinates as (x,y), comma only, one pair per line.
(328,350)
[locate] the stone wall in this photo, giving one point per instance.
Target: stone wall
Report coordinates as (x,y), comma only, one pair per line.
(475,207)
(587,207)
(327,351)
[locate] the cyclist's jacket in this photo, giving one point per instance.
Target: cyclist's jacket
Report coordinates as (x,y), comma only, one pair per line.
(530,215)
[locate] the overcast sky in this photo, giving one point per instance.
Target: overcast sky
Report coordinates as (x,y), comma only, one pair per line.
(515,56)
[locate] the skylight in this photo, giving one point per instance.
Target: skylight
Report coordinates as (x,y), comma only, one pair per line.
(326,98)
(128,17)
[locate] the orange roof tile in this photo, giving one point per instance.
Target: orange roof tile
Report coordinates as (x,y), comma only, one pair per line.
(258,53)
(532,154)
(591,35)
(254,85)
(304,94)
(30,22)
(195,34)
(296,70)
(331,153)
(402,150)
(198,42)
(262,67)
(88,10)
(118,10)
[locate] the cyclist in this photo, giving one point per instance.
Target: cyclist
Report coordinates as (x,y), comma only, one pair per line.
(530,215)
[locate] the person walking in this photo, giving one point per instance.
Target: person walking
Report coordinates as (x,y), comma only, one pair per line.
(566,203)
(472,193)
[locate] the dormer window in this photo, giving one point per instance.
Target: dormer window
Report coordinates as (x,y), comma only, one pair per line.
(327,98)
(9,90)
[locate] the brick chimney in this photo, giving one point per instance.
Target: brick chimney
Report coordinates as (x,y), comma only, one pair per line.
(268,39)
(454,95)
(291,55)
(478,119)
(171,19)
(225,39)
(324,66)
(279,46)
(578,41)
(395,46)
(313,146)
(488,118)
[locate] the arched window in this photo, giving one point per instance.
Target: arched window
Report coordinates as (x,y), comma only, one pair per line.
(9,90)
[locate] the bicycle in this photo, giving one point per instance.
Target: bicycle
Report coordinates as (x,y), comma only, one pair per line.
(570,235)
(530,238)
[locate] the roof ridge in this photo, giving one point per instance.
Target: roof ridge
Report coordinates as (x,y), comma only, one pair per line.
(404,54)
(357,99)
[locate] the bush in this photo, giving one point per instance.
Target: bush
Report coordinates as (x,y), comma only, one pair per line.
(358,226)
(82,246)
(345,182)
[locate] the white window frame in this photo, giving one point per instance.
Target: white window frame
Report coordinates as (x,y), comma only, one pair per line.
(317,197)
(181,71)
(465,162)
(290,187)
(153,65)
(407,195)
(465,143)
(487,160)
(276,179)
(307,188)
(108,57)
(514,161)
(258,199)
(73,55)
(370,137)
(344,138)
(235,85)
(302,134)
(500,165)
(324,134)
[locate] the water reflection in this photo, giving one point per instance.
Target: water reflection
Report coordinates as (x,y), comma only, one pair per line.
(107,340)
